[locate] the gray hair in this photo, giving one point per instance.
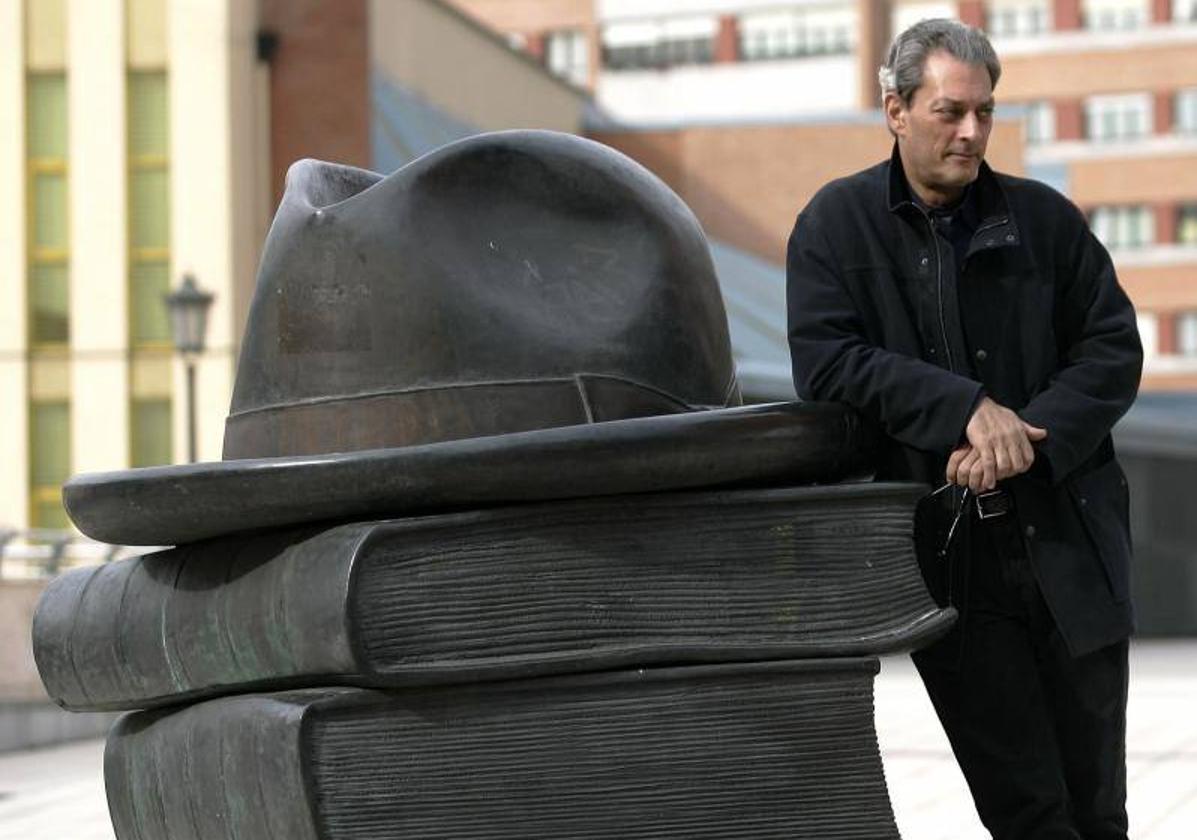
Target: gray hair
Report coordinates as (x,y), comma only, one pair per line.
(902,72)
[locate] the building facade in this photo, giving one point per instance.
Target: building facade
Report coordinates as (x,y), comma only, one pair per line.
(755,102)
(123,125)
(144,139)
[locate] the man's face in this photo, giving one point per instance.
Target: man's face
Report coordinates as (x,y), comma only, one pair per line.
(942,134)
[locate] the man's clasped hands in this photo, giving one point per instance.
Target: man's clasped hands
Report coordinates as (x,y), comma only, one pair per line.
(998,447)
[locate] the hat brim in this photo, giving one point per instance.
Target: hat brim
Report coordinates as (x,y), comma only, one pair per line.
(796,443)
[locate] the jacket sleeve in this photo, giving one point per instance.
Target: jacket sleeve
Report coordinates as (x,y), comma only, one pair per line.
(1101,357)
(915,402)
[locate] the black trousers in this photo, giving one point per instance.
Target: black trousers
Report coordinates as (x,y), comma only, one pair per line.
(1040,735)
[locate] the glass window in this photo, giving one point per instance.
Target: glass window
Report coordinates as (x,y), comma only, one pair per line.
(1115,14)
(48,258)
(1186,225)
(47,115)
(149,207)
(48,224)
(1041,122)
(149,212)
(1186,333)
(567,54)
(1185,111)
(151,432)
(1149,332)
(1014,18)
(49,462)
(796,33)
(48,303)
(659,43)
(1118,117)
(148,119)
(1123,226)
(149,283)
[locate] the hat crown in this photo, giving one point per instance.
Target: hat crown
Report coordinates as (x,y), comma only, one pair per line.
(507,282)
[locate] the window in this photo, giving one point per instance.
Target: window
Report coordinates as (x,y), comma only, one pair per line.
(149,209)
(1184,11)
(1114,14)
(1149,333)
(1186,333)
(796,33)
(1013,18)
(1040,122)
(48,277)
(1185,111)
(150,432)
(1118,117)
(567,54)
(1123,227)
(1186,225)
(657,44)
(49,462)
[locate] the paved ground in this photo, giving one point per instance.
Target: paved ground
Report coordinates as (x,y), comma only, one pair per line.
(931,801)
(57,794)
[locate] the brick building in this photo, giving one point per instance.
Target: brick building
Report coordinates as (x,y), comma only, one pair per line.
(746,106)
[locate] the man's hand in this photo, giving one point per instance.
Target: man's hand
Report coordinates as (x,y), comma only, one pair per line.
(999,446)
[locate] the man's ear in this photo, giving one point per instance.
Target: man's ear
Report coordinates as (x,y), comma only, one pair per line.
(895,113)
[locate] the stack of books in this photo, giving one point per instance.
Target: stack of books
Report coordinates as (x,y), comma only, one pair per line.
(687,664)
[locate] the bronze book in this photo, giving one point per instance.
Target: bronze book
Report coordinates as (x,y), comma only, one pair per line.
(739,752)
(502,593)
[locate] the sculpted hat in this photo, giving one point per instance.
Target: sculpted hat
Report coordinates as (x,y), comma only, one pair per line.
(517,316)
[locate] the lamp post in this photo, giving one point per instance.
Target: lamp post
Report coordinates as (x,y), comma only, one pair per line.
(188,308)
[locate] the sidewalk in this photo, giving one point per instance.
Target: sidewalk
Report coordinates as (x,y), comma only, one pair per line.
(931,801)
(58,794)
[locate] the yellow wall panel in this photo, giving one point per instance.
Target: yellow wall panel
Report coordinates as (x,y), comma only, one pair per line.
(49,378)
(145,32)
(45,34)
(151,376)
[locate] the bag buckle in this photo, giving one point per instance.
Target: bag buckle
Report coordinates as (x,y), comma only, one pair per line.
(993,504)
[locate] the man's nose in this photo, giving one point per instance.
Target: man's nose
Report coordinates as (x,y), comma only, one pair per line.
(967,128)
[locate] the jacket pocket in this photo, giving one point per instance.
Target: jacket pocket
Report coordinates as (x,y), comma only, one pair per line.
(1103,505)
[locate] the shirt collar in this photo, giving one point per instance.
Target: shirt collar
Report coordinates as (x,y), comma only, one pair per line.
(986,200)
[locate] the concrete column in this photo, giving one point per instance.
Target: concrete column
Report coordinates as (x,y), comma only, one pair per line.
(1161,11)
(727,40)
(535,44)
(1162,111)
(1066,14)
(1166,333)
(200,45)
(971,12)
(1070,119)
(14,419)
(98,214)
(874,28)
(1166,216)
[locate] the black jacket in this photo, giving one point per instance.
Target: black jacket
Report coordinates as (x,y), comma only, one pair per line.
(1037,321)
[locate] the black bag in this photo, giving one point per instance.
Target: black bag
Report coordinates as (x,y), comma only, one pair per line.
(938,519)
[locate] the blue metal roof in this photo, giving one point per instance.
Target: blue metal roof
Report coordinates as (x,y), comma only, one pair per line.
(754,292)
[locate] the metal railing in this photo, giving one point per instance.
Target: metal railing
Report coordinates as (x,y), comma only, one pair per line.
(40,553)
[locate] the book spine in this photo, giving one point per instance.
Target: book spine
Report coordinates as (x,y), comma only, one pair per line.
(196,620)
(232,769)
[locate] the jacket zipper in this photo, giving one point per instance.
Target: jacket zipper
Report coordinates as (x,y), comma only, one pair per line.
(943,328)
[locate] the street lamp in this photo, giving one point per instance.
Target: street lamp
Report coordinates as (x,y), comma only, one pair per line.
(188,308)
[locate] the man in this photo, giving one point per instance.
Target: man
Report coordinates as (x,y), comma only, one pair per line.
(975,318)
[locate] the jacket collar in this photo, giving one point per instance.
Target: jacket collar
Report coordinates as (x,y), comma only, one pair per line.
(995,228)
